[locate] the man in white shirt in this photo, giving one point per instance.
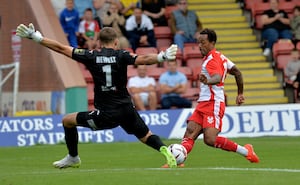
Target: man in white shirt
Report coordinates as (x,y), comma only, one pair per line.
(142,89)
(139,29)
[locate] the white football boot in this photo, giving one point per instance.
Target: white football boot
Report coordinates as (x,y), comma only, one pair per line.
(67,162)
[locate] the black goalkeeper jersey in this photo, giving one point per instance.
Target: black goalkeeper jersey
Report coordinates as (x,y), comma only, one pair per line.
(108,68)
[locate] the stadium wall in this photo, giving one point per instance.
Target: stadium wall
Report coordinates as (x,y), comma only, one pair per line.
(41,70)
(244,121)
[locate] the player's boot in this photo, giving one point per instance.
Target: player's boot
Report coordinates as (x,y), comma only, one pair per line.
(252,157)
(67,162)
(171,161)
(178,166)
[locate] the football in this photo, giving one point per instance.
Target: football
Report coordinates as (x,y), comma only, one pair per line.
(179,152)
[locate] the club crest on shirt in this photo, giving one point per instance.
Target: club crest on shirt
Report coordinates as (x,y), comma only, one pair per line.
(79,51)
(210,119)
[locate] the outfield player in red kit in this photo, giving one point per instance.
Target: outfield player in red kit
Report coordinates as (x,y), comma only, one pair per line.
(207,116)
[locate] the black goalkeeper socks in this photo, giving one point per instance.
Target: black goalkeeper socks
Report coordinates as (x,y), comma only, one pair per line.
(71,137)
(155,142)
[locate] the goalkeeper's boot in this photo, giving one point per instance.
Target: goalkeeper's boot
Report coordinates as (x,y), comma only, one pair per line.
(178,166)
(251,156)
(171,161)
(67,162)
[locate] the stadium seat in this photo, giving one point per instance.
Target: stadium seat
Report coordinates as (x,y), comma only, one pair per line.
(191,93)
(90,92)
(287,6)
(145,50)
(130,50)
(250,3)
(191,52)
(163,36)
(282,46)
(298,46)
(282,61)
(258,9)
(155,72)
(131,72)
(169,10)
(196,71)
(187,71)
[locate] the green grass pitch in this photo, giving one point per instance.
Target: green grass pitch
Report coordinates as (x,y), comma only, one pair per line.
(137,164)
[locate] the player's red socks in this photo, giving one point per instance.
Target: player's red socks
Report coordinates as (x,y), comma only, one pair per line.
(225,144)
(188,144)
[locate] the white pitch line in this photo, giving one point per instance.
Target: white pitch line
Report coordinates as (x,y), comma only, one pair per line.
(151,169)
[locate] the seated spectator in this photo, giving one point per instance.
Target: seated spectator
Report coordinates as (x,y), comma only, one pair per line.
(69,20)
(185,25)
(295,25)
(82,5)
(155,9)
(139,29)
(296,84)
(128,6)
(293,66)
(102,7)
(142,89)
(276,24)
(113,18)
(89,29)
(172,84)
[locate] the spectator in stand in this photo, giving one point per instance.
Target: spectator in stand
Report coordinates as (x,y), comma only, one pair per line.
(276,24)
(128,6)
(185,25)
(172,84)
(155,9)
(102,7)
(295,25)
(89,29)
(113,18)
(142,89)
(293,66)
(82,5)
(296,84)
(139,29)
(69,20)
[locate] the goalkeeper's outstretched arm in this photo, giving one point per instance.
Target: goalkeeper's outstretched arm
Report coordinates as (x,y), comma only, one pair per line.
(30,33)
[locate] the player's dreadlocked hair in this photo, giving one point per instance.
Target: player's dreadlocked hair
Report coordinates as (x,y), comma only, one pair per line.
(107,35)
(211,34)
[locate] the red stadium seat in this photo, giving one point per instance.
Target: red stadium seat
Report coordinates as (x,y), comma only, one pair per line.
(250,3)
(131,72)
(90,92)
(298,46)
(145,50)
(191,51)
(191,93)
(178,56)
(282,60)
(194,62)
(130,50)
(187,71)
(258,9)
(169,10)
(287,6)
(282,46)
(155,72)
(162,32)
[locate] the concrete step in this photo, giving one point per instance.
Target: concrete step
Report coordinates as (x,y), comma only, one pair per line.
(254,79)
(235,32)
(240,38)
(259,101)
(210,1)
(260,93)
(219,13)
(247,59)
(229,25)
(222,20)
(242,45)
(254,86)
(233,52)
(257,65)
(204,7)
(258,73)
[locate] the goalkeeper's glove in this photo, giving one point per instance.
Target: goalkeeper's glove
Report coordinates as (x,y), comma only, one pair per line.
(29,32)
(169,54)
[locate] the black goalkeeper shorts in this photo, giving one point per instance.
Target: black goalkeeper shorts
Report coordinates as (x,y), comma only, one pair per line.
(125,116)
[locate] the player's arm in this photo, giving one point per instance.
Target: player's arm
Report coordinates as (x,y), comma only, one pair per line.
(169,54)
(239,83)
(30,33)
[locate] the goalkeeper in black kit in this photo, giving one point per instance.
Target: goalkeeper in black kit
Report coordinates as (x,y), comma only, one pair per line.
(113,105)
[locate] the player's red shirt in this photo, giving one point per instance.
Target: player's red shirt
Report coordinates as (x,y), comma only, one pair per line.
(214,63)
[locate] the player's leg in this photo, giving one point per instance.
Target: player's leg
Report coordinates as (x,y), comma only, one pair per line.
(135,125)
(71,137)
(193,130)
